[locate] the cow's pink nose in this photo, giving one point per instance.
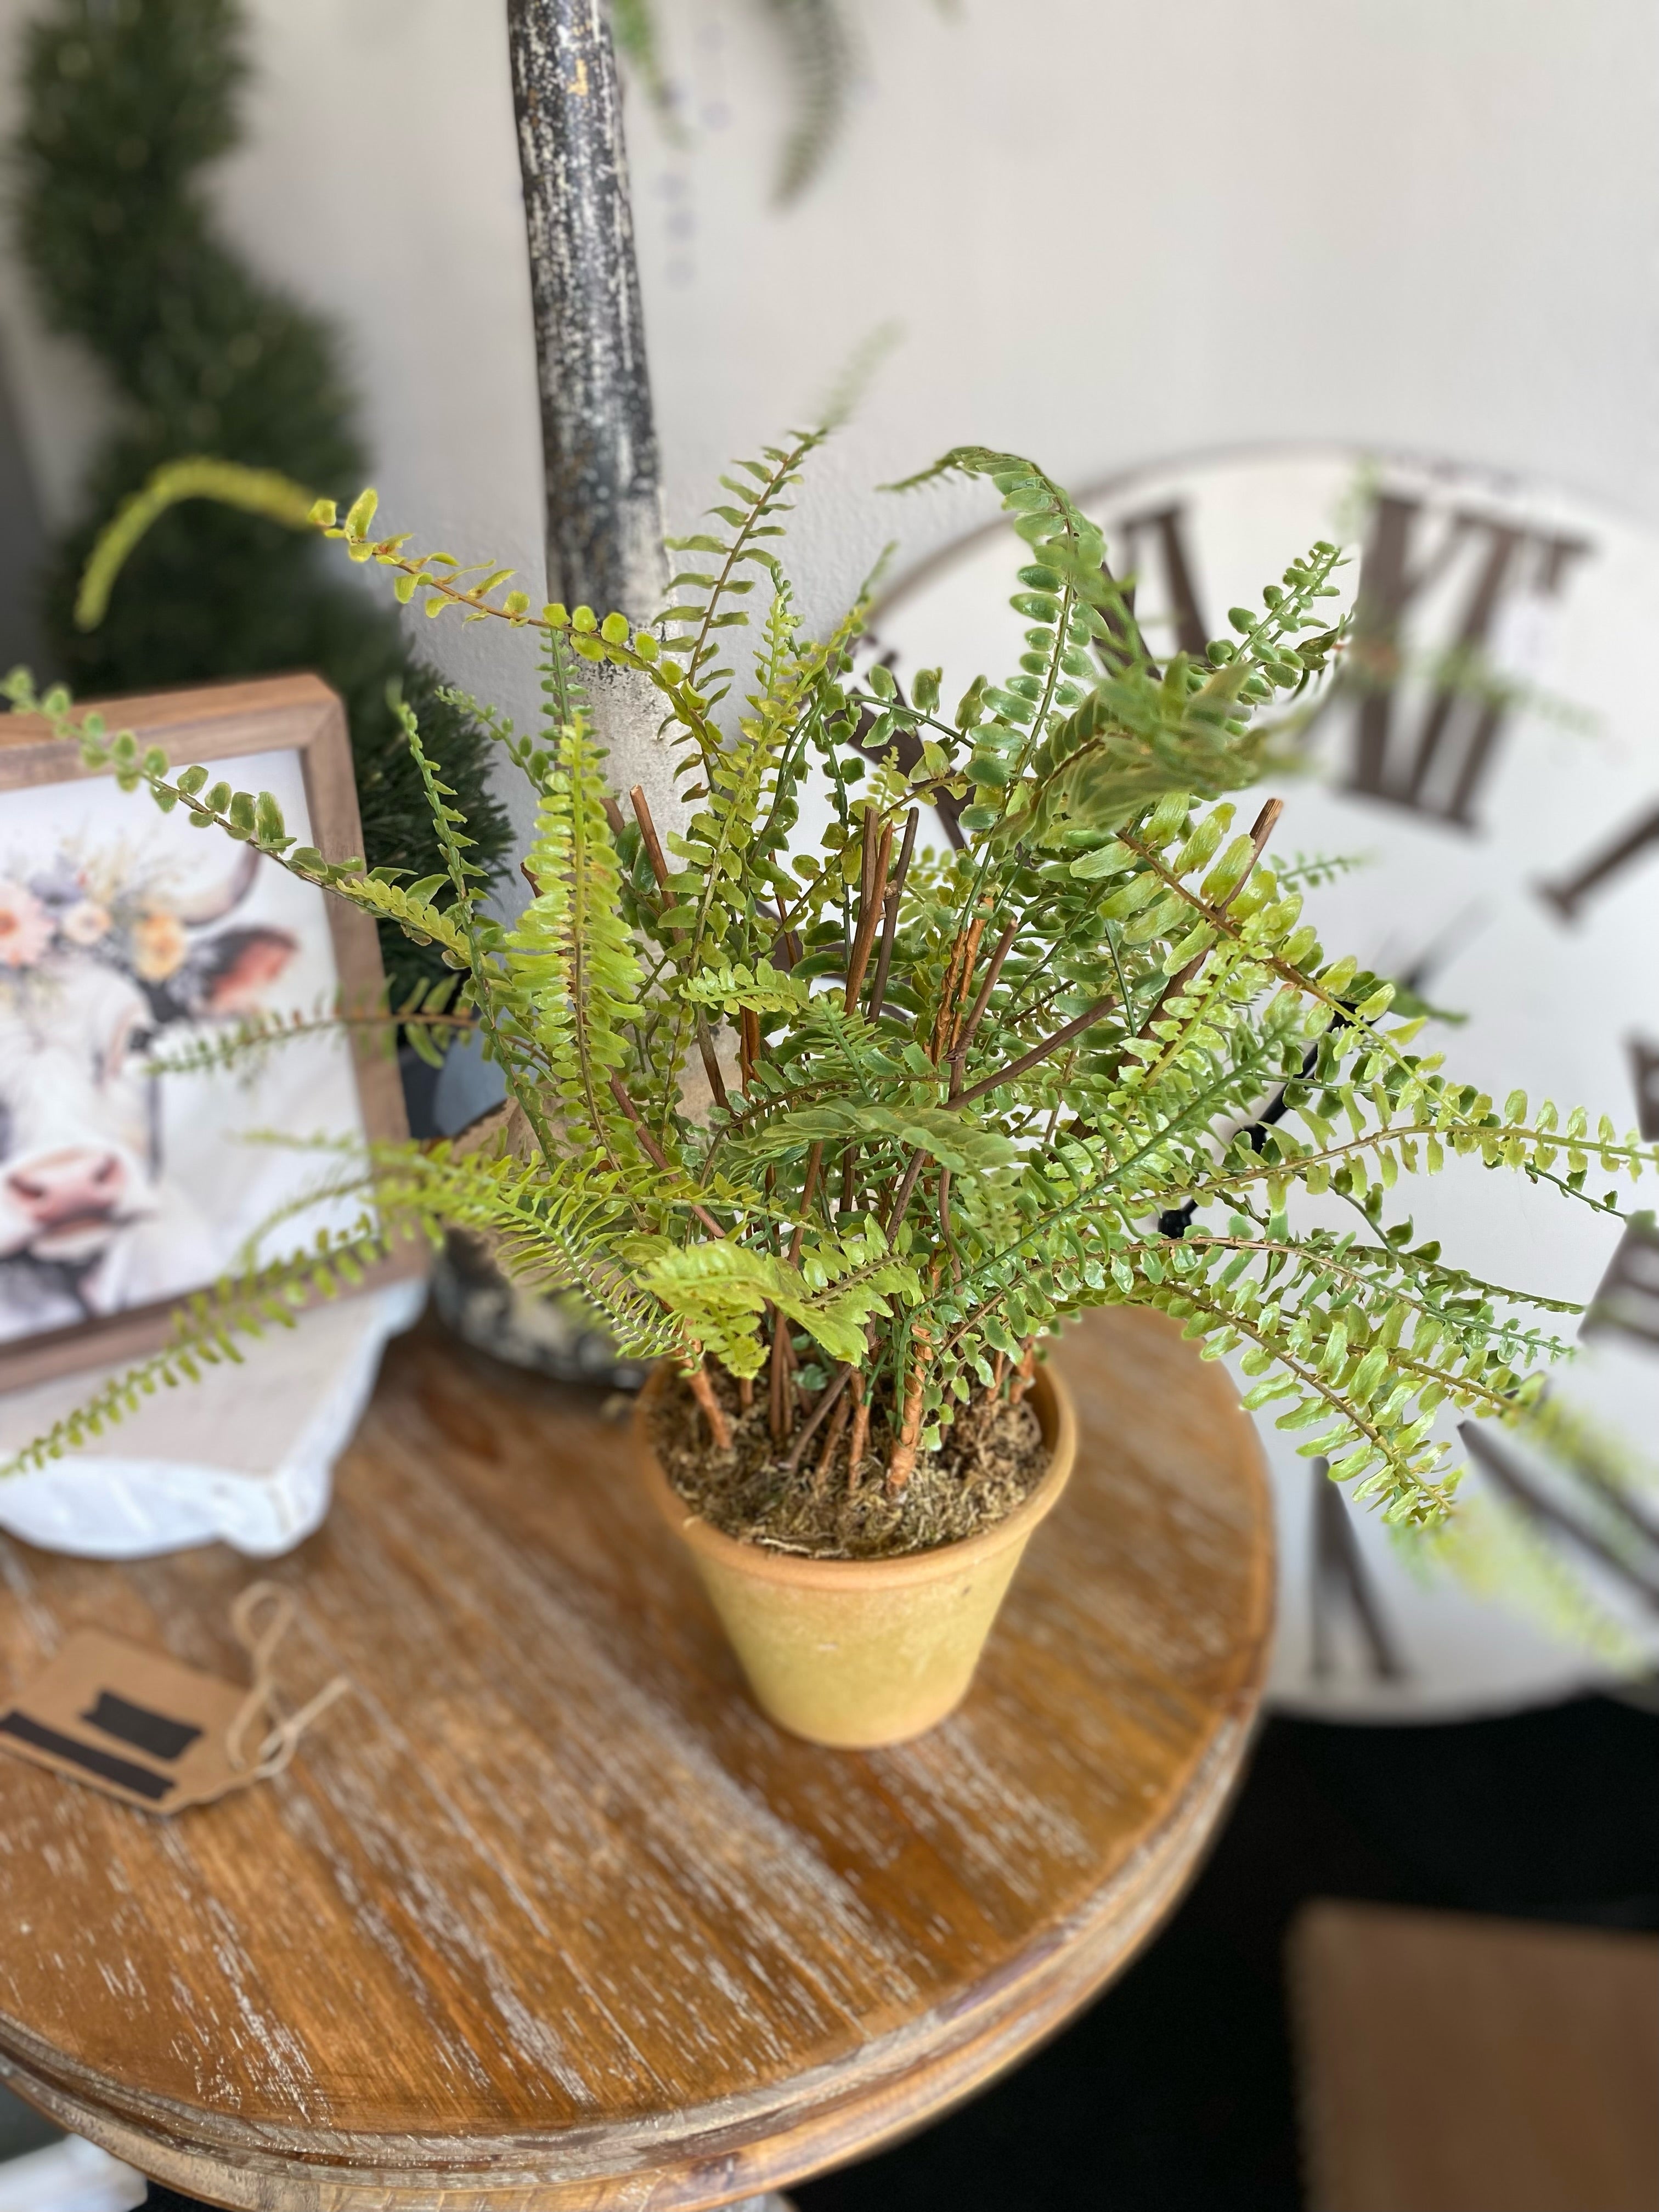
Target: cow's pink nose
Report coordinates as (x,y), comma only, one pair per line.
(67,1186)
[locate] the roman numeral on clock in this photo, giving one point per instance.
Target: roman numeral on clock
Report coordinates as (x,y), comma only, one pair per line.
(1340,1581)
(1559,1510)
(1626,1301)
(1436,767)
(1177,626)
(1644,1067)
(1602,868)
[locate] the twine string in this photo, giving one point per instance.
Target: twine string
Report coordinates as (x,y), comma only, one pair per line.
(282,1739)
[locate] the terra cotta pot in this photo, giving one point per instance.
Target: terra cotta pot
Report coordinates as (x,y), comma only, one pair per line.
(855,1653)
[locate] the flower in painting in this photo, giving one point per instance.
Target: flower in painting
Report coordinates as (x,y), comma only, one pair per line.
(159,946)
(86,922)
(25,927)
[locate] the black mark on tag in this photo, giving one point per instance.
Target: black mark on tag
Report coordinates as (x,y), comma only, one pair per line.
(139,1727)
(123,1772)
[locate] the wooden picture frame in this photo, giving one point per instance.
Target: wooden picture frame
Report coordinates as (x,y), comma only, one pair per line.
(207,723)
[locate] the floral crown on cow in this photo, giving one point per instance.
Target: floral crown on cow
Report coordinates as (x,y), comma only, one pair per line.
(128,920)
(130,912)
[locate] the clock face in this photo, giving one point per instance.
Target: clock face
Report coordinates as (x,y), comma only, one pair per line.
(1491,765)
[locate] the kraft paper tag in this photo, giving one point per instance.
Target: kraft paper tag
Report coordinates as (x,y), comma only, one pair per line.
(154,1732)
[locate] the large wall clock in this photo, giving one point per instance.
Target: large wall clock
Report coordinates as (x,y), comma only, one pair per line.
(1493,763)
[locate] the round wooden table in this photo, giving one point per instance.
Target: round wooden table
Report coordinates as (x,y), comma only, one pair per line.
(545,1916)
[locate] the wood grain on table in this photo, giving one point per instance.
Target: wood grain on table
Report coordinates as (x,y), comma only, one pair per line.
(546,1916)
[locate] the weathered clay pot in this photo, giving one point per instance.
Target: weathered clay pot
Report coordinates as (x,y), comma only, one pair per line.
(854,1653)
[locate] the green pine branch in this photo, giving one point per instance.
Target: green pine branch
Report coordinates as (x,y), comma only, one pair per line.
(124,111)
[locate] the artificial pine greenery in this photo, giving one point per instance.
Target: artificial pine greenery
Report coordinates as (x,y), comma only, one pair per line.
(127,102)
(1095,1057)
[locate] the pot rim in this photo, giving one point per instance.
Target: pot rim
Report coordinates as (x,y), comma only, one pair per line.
(1052,1403)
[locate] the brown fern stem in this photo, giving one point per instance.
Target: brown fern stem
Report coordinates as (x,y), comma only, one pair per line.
(837,1428)
(860,1443)
(780,1405)
(1023,1375)
(976,1011)
(648,831)
(713,1411)
(903,1459)
(748,1047)
(889,922)
(809,1191)
(969,957)
(872,893)
(653,1150)
(817,1417)
(1029,1059)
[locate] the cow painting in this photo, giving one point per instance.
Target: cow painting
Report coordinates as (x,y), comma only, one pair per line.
(103,953)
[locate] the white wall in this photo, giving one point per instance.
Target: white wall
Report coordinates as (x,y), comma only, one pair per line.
(1113,232)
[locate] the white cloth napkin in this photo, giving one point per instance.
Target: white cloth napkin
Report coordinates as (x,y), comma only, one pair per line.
(247,1455)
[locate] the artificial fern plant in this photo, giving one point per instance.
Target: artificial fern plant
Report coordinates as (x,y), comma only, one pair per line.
(948,1098)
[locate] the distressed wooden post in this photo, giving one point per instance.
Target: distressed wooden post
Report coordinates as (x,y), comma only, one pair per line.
(604,500)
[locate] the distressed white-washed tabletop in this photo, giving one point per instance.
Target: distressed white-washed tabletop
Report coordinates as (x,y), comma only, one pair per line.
(546,1918)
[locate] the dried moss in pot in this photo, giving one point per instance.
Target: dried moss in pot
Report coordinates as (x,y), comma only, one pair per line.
(807,1498)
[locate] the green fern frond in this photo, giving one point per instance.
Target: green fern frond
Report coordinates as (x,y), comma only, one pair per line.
(763,989)
(1500,1555)
(543,1236)
(819,48)
(572,961)
(633,27)
(720,1290)
(252,491)
(955,1140)
(751,514)
(425,1022)
(818,52)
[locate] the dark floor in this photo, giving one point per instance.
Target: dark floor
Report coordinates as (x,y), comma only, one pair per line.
(1173,2093)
